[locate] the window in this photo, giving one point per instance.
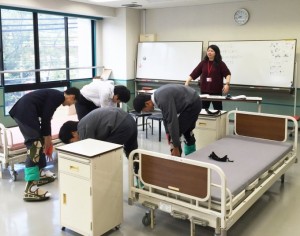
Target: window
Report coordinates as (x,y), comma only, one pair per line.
(43,50)
(18,46)
(80,42)
(52,47)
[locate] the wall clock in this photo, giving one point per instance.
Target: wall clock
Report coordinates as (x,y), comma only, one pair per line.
(241,16)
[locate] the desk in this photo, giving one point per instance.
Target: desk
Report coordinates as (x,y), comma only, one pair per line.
(257,100)
(206,97)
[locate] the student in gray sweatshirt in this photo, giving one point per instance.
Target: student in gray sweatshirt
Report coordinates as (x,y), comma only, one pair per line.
(180,106)
(110,124)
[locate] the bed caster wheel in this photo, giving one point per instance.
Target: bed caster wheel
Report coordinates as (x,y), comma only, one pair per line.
(14,175)
(146,219)
(117,227)
(63,228)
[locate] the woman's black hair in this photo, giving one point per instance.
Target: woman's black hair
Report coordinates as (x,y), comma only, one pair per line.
(218,56)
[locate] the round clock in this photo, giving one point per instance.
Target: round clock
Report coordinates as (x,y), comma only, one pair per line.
(241,16)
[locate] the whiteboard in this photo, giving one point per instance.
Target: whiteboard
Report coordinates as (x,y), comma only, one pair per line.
(167,60)
(260,63)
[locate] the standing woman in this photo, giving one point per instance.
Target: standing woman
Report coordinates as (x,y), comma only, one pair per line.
(212,70)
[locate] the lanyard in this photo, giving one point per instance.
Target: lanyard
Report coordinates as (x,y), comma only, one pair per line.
(209,68)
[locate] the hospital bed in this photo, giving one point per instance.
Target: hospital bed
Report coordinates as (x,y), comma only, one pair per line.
(13,150)
(212,193)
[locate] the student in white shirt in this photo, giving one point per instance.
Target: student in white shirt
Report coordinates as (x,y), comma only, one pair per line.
(100,93)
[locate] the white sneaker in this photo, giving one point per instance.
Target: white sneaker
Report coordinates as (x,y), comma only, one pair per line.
(48,173)
(33,193)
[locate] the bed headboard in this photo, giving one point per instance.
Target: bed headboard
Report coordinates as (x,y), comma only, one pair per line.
(261,126)
(174,175)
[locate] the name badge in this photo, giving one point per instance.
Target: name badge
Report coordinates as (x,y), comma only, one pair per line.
(208,79)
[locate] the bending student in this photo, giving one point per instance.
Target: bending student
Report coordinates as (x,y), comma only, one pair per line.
(100,94)
(33,113)
(212,71)
(110,124)
(174,100)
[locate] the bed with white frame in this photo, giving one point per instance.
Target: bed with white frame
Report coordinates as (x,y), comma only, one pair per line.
(208,192)
(12,147)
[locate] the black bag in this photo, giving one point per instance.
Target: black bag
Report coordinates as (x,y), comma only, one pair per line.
(216,158)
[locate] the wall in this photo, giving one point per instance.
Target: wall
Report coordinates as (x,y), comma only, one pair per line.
(120,36)
(269,20)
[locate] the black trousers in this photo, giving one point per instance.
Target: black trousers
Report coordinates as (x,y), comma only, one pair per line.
(84,107)
(187,122)
(31,134)
(216,104)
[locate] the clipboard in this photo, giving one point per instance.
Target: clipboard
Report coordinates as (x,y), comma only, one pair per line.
(104,75)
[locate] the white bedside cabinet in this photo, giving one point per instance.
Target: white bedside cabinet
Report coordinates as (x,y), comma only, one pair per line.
(209,128)
(90,186)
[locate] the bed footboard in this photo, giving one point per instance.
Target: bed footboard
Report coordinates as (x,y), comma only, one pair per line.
(178,186)
(173,175)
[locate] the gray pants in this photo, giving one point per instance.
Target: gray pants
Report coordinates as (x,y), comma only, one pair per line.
(125,134)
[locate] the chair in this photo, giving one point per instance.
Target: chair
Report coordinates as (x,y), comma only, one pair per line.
(137,115)
(159,118)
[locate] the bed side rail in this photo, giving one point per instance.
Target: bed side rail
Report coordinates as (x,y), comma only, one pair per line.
(3,144)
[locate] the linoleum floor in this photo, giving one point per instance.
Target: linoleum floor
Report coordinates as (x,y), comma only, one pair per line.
(276,213)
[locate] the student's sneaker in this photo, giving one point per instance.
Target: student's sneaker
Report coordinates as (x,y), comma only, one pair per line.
(46,177)
(188,149)
(34,194)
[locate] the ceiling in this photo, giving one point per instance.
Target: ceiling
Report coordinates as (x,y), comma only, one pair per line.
(148,4)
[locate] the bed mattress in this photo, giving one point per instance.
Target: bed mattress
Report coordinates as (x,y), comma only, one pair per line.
(251,158)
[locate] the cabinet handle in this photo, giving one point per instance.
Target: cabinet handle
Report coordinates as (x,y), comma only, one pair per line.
(202,123)
(64,198)
(74,168)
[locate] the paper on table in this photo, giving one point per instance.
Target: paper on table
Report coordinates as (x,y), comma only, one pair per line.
(240,97)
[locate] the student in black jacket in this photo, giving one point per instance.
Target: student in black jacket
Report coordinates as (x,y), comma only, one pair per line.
(33,113)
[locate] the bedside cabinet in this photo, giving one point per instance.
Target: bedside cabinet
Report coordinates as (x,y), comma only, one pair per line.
(209,128)
(90,186)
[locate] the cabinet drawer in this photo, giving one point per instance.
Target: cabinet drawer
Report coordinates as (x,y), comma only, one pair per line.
(208,124)
(75,168)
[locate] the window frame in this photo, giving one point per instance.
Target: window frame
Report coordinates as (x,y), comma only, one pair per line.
(49,84)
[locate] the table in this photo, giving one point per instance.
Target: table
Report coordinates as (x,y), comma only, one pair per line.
(257,100)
